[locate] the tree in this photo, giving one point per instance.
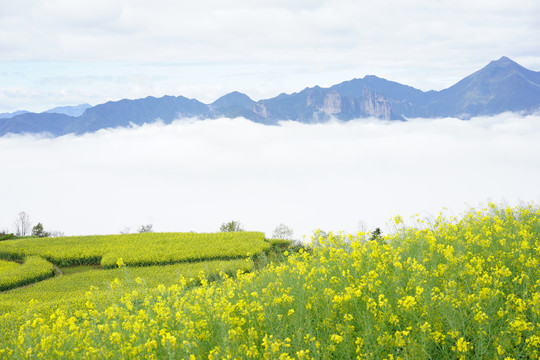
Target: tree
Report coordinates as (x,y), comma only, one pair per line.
(146,228)
(22,224)
(282,232)
(376,235)
(231,226)
(39,231)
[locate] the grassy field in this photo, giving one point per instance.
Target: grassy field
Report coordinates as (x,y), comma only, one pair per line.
(466,288)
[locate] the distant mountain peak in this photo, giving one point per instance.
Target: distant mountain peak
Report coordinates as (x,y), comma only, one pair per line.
(504,59)
(493,72)
(502,85)
(236,93)
(503,64)
(234,98)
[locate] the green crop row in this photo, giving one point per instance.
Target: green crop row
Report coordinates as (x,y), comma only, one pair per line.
(32,270)
(137,249)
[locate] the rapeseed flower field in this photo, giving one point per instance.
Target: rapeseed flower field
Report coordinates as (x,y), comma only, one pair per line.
(137,249)
(466,288)
(69,290)
(32,269)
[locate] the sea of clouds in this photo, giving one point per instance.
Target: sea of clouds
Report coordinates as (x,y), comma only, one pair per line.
(194,175)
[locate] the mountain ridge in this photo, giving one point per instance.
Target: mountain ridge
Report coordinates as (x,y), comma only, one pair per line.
(502,85)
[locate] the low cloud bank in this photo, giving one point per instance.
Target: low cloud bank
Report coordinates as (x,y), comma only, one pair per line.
(194,175)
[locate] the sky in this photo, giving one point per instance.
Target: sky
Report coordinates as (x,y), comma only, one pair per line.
(63,52)
(195,175)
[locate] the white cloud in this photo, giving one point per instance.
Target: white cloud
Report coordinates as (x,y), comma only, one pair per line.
(324,31)
(426,44)
(195,175)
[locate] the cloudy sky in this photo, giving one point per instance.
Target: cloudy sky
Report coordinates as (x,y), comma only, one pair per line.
(195,175)
(64,52)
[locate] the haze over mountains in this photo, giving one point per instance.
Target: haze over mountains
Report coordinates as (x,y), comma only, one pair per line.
(501,86)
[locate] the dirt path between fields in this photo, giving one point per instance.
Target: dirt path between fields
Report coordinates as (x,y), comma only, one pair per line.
(57,271)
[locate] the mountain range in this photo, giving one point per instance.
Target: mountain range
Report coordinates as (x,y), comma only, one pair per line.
(501,86)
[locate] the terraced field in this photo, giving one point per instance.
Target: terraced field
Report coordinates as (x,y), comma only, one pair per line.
(99,261)
(137,249)
(32,269)
(71,288)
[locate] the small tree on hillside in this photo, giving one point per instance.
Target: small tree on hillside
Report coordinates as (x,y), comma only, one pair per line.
(22,224)
(39,231)
(231,226)
(282,232)
(146,228)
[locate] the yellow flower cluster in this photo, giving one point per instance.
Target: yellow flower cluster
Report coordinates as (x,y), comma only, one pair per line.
(458,289)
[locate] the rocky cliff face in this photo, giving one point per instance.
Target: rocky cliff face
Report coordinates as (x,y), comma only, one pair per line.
(261,110)
(318,104)
(332,103)
(375,105)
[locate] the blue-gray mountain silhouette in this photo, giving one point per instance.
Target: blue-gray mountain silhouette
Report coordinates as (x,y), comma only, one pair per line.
(12,114)
(76,110)
(125,112)
(502,85)
(235,104)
